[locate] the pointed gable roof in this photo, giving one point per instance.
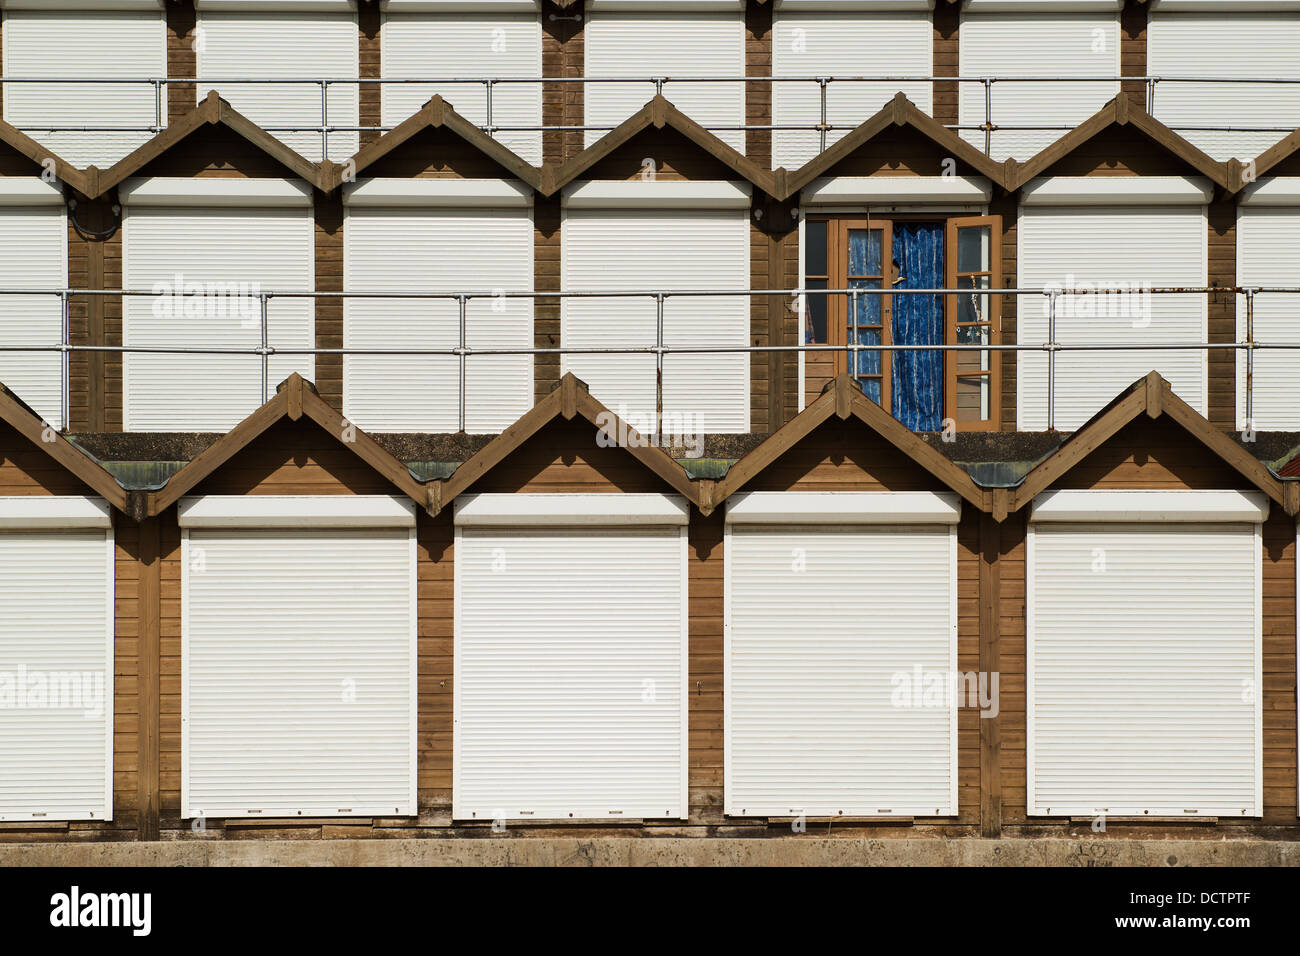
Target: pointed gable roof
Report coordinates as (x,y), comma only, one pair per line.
(900,111)
(295,399)
(213,111)
(659,113)
(1119,112)
(437,114)
(568,401)
(1153,397)
(843,399)
(22,419)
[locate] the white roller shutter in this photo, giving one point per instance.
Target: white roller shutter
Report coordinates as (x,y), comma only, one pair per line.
(849,43)
(56,661)
(1130,246)
(1036,43)
(298,663)
(571,665)
(826,687)
(437,249)
(1231,44)
(107,44)
(33,255)
(677,42)
(285,45)
(467,45)
(1144,664)
(243,250)
(1266,241)
(660,249)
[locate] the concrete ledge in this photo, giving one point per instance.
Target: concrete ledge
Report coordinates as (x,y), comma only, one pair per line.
(660,851)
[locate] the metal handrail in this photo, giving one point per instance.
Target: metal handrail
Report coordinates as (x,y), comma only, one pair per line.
(462,351)
(822,127)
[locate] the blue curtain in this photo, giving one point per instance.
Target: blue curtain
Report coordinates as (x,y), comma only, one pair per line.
(917,380)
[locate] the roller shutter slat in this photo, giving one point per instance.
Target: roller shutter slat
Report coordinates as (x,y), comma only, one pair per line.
(272,248)
(812,725)
(55,762)
(1159,246)
(278,627)
(1140,675)
(426,250)
(552,652)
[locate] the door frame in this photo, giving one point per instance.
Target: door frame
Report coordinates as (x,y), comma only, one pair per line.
(837,308)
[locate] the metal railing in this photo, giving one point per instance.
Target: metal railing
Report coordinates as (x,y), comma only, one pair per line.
(654,85)
(794,302)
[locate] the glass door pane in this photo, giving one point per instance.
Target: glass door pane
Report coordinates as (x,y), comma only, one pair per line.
(973,317)
(867,322)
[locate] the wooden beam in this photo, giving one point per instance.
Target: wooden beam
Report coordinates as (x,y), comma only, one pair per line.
(990,607)
(149,680)
(72,458)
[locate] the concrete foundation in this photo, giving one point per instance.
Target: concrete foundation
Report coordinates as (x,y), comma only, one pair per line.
(652,851)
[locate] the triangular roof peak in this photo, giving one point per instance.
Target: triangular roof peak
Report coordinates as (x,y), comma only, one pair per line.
(899,111)
(294,399)
(213,111)
(24,420)
(658,113)
(437,113)
(1121,112)
(569,400)
(843,399)
(1153,397)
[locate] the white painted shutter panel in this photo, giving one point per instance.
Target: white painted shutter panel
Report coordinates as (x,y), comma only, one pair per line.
(1140,675)
(570,673)
(1106,246)
(467,45)
(33,255)
(1234,45)
(56,632)
(1266,241)
(812,672)
(299,664)
(674,43)
(850,43)
(108,44)
(1035,45)
(437,249)
(660,249)
(285,46)
(258,250)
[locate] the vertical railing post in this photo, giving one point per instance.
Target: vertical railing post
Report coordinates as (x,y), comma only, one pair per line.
(460,355)
(487,116)
(265,349)
(325,119)
(988,116)
(64,401)
(1250,359)
(1151,95)
(157,106)
(1051,359)
(821,127)
(659,365)
(854,337)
